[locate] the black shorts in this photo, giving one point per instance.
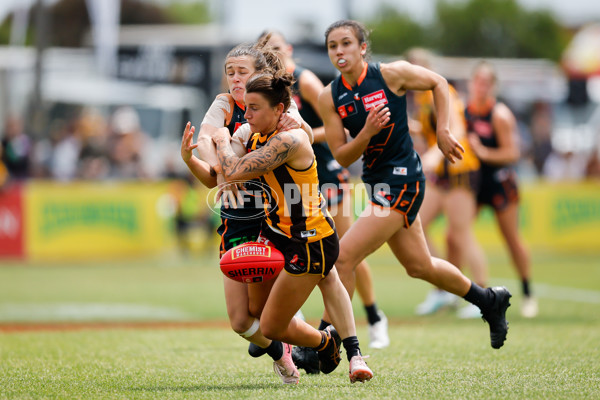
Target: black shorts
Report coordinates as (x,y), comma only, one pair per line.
(405,199)
(315,258)
(498,189)
(235,231)
(333,184)
(470,180)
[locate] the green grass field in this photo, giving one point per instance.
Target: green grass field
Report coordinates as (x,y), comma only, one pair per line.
(556,355)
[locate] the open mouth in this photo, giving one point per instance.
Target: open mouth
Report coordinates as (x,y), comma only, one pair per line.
(341,62)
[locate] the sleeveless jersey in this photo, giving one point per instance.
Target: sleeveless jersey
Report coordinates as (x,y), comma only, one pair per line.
(294,205)
(425,114)
(389,156)
(481,124)
(328,169)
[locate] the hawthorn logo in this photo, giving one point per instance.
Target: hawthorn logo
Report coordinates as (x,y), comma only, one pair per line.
(252,197)
(374,99)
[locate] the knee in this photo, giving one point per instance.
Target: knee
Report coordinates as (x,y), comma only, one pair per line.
(240,323)
(271,330)
(453,241)
(255,310)
(419,270)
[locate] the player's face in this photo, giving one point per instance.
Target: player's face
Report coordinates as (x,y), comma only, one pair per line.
(237,71)
(259,113)
(482,85)
(278,44)
(344,50)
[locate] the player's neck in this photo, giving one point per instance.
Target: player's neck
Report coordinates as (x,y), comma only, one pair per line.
(356,75)
(482,106)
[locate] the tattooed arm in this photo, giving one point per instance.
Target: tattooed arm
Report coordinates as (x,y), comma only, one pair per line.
(288,146)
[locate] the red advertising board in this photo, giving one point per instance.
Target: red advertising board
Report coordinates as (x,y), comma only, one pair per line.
(11,222)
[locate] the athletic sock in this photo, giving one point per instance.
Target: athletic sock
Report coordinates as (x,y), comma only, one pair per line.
(275,350)
(351,346)
(324,324)
(525,285)
(479,296)
(256,351)
(372,315)
(324,341)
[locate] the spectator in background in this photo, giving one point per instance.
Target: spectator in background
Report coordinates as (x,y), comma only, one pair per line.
(3,170)
(541,133)
(126,145)
(592,169)
(565,165)
(94,163)
(66,147)
(16,146)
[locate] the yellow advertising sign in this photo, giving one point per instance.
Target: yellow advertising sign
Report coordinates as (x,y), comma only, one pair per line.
(561,216)
(89,220)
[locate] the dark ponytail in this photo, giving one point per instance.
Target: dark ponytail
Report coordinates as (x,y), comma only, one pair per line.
(275,87)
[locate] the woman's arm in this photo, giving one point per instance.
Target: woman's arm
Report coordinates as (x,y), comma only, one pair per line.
(401,76)
(279,149)
(213,120)
(199,168)
(505,127)
(344,151)
(292,120)
(310,88)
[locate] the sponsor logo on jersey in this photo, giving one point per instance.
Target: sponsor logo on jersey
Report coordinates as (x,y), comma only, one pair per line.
(483,128)
(347,109)
(310,233)
(374,99)
(400,171)
(237,125)
(342,95)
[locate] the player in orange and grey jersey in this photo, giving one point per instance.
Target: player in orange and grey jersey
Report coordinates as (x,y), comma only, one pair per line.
(369,100)
(493,137)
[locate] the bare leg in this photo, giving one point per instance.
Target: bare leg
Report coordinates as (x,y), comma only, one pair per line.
(460,209)
(236,300)
(508,222)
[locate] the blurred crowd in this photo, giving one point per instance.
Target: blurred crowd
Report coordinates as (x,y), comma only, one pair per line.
(90,146)
(87,146)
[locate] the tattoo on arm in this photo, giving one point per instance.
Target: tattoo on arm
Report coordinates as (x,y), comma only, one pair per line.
(276,152)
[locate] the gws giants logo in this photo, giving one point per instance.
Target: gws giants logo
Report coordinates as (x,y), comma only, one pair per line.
(252,197)
(374,99)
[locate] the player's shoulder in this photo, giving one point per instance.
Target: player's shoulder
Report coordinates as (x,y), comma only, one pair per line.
(502,112)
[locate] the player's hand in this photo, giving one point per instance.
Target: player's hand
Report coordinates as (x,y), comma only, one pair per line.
(228,193)
(378,117)
(449,146)
(288,122)
(478,148)
(187,145)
